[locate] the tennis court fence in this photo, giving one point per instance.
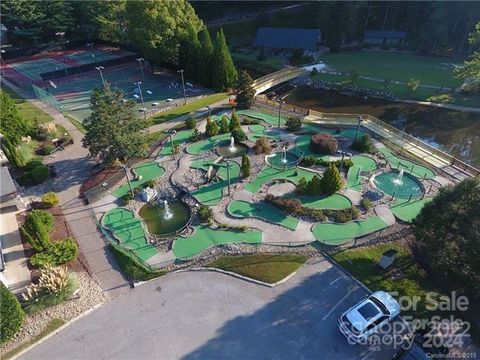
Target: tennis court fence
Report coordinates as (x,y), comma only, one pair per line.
(47,98)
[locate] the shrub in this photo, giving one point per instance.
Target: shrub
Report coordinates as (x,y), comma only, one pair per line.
(239,135)
(149,183)
(294,207)
(331,181)
(50,199)
(364,144)
(40,174)
(366,203)
(262,146)
(205,214)
(314,72)
(55,286)
(324,144)
(36,232)
(11,315)
(224,126)
(293,124)
(31,165)
(346,215)
(234,121)
(315,186)
(211,128)
(308,161)
(57,253)
(195,135)
(43,216)
(131,267)
(47,149)
(191,123)
(246,167)
(127,198)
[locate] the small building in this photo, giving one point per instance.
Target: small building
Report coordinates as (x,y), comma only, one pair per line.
(287,38)
(385,37)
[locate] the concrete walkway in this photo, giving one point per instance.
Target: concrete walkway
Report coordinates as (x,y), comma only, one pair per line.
(16,275)
(384,213)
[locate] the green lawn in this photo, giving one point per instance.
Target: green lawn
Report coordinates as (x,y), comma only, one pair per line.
(395,66)
(128,229)
(205,237)
(332,202)
(337,234)
(407,211)
(212,193)
(360,163)
(363,264)
(27,110)
(189,108)
(262,211)
(52,325)
(264,267)
(148,171)
(409,166)
(268,174)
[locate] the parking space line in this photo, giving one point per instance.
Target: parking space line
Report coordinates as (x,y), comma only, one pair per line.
(339,278)
(355,287)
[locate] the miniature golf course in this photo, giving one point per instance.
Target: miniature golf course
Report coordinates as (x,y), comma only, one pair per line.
(407,165)
(360,163)
(148,171)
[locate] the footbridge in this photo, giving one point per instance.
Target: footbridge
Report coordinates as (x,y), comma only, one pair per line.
(266,82)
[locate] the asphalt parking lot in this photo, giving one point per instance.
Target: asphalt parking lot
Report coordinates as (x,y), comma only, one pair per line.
(206,315)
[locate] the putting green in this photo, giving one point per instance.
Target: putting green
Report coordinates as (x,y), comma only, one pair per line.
(303,144)
(257,128)
(268,174)
(409,166)
(212,193)
(204,238)
(148,171)
(332,202)
(348,132)
(128,229)
(200,147)
(262,211)
(337,234)
(407,211)
(181,137)
(268,118)
(360,163)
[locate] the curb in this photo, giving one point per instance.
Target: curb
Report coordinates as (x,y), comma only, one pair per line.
(45,338)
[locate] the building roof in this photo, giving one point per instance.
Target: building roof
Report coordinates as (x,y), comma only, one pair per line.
(7,186)
(385,34)
(287,38)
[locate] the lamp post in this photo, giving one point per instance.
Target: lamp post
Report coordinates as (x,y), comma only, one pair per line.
(183,85)
(171,133)
(144,110)
(280,103)
(140,63)
(1,59)
(228,175)
(360,119)
(209,111)
(125,169)
(100,68)
(341,163)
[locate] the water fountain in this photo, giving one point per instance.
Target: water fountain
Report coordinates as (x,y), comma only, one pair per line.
(168,212)
(398,179)
(232,147)
(284,155)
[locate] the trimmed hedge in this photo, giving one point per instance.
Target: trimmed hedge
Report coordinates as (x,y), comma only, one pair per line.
(323,144)
(50,199)
(39,174)
(308,161)
(11,315)
(133,269)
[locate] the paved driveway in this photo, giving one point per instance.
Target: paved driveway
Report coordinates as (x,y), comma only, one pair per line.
(206,315)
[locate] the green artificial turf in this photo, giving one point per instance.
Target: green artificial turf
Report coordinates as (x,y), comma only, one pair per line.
(262,211)
(268,174)
(332,202)
(148,171)
(407,211)
(407,165)
(181,137)
(205,237)
(202,146)
(360,163)
(263,267)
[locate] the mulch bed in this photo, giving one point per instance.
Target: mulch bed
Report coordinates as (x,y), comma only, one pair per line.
(98,178)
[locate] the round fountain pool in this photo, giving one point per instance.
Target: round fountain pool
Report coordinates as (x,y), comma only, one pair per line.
(279,161)
(398,185)
(225,151)
(158,224)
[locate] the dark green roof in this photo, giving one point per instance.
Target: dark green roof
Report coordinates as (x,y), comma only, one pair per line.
(287,38)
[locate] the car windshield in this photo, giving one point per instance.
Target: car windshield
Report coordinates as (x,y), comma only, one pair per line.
(368,311)
(380,305)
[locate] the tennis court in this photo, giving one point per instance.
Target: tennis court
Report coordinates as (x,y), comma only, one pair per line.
(33,69)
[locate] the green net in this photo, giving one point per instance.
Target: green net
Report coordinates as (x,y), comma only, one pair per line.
(47,98)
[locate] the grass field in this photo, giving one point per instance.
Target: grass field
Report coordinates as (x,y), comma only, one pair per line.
(242,209)
(263,267)
(27,110)
(394,66)
(204,238)
(189,108)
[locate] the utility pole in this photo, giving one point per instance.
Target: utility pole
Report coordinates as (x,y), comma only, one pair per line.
(144,110)
(100,68)
(140,63)
(125,168)
(183,85)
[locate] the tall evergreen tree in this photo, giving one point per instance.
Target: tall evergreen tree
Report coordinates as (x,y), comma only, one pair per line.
(224,74)
(205,59)
(234,121)
(211,129)
(245,90)
(189,53)
(114,130)
(246,167)
(224,126)
(331,181)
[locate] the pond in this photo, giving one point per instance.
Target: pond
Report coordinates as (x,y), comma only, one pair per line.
(456,132)
(158,223)
(398,184)
(279,160)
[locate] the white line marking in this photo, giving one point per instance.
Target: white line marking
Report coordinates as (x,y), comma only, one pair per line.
(339,278)
(342,300)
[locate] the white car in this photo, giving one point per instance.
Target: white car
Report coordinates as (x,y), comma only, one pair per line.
(365,318)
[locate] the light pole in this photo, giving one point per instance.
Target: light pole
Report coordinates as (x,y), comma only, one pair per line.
(1,59)
(360,119)
(144,110)
(90,45)
(125,169)
(100,68)
(280,103)
(183,85)
(228,175)
(171,133)
(140,62)
(209,111)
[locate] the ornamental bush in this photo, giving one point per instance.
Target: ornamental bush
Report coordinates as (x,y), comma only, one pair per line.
(262,146)
(47,149)
(346,215)
(42,216)
(11,315)
(364,144)
(323,144)
(211,129)
(331,181)
(293,124)
(40,174)
(224,125)
(205,214)
(36,231)
(246,167)
(234,121)
(239,135)
(58,253)
(50,199)
(191,123)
